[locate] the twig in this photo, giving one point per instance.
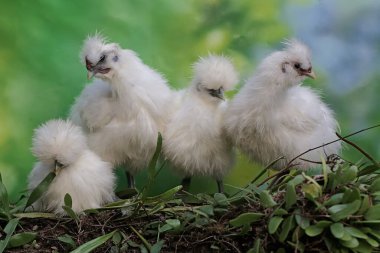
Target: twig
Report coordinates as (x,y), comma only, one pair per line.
(358,148)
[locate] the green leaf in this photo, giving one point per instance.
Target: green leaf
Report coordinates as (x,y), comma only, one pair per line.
(334,199)
(374,233)
(68,200)
(323,224)
(280,211)
(347,174)
(373,213)
(337,229)
(313,230)
(245,219)
(156,248)
(152,173)
(116,238)
(342,211)
(297,180)
(363,248)
(346,236)
(351,195)
(356,232)
(21,239)
(207,209)
(290,196)
(256,246)
(311,191)
(165,228)
(40,189)
(375,186)
(221,199)
(353,243)
(68,240)
(174,223)
(70,212)
(156,155)
(266,199)
(274,223)
(364,205)
(287,225)
(4,199)
(168,195)
(93,244)
(9,229)
(303,222)
(372,242)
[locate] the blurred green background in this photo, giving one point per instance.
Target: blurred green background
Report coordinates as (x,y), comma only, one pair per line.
(40,72)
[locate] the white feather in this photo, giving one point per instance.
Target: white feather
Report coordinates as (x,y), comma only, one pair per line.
(273,116)
(194,139)
(89,180)
(123,112)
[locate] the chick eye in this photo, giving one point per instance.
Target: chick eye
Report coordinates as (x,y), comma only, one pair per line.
(297,65)
(102,58)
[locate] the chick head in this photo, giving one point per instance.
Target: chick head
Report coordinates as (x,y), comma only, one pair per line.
(296,62)
(58,143)
(213,75)
(101,59)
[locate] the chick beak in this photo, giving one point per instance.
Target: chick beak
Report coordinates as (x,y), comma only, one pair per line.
(90,75)
(58,167)
(310,74)
(216,93)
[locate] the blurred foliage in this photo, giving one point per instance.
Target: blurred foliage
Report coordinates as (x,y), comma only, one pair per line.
(40,71)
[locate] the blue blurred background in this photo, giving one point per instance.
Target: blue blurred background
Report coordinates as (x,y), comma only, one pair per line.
(40,72)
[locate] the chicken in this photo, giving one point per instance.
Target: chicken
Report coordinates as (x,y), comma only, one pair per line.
(123,110)
(60,147)
(194,141)
(274,116)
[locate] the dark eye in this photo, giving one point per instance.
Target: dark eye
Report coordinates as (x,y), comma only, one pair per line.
(102,58)
(297,65)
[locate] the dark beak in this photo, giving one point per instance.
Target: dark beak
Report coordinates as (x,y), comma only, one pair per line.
(216,93)
(58,167)
(90,69)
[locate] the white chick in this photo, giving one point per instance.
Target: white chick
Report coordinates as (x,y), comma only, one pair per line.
(124,109)
(194,140)
(274,116)
(60,147)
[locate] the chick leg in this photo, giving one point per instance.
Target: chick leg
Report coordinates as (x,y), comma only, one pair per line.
(186,183)
(130,180)
(220,186)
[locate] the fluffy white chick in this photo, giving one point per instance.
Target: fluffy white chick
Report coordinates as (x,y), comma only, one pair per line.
(123,110)
(194,140)
(60,147)
(274,116)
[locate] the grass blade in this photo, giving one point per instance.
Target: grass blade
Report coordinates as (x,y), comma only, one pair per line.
(145,242)
(21,239)
(40,189)
(9,229)
(93,244)
(4,199)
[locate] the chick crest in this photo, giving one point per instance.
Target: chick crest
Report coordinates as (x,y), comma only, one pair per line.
(58,140)
(214,72)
